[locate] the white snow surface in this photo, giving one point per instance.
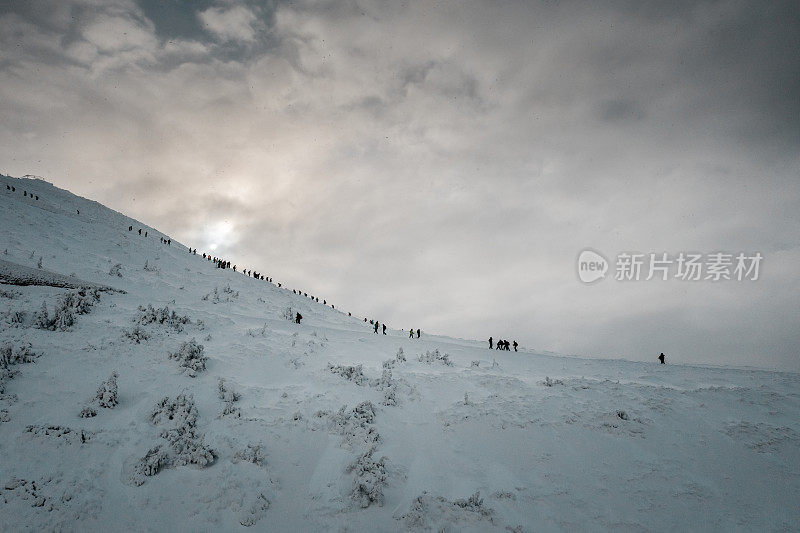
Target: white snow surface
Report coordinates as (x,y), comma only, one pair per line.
(322,426)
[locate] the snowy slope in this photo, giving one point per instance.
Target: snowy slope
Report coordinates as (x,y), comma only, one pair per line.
(298,437)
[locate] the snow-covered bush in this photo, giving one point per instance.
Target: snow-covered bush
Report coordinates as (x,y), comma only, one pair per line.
(370,478)
(107,393)
(388,385)
(165,317)
(550,382)
(116,270)
(356,424)
(435,356)
(228,295)
(289,314)
(350,373)
(259,332)
(229,396)
(67,306)
(253,453)
(444,513)
(151,464)
(106,397)
(137,334)
(88,412)
(148,267)
(399,358)
(9,355)
(178,420)
(190,357)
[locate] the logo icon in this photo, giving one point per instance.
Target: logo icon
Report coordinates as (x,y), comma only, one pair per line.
(591,266)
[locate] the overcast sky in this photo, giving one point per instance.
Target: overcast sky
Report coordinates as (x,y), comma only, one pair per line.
(440,165)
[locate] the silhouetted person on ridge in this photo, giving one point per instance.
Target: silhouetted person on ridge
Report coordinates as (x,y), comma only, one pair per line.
(140,231)
(384,329)
(418,333)
(130,228)
(145,233)
(515,346)
(661,358)
(298,318)
(411,333)
(376,326)
(490,343)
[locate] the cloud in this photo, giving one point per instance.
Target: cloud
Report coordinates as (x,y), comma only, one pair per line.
(237,23)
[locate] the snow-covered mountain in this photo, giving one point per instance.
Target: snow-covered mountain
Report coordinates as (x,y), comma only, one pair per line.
(141,388)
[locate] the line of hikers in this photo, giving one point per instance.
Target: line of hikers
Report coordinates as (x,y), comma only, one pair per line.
(502,345)
(24,193)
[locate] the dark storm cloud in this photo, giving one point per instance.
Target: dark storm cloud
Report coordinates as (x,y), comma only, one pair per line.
(440,164)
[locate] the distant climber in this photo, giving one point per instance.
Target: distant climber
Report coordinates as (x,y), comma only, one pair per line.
(515,346)
(140,231)
(376,326)
(145,233)
(661,358)
(298,318)
(384,329)
(130,228)
(418,333)
(490,343)
(411,334)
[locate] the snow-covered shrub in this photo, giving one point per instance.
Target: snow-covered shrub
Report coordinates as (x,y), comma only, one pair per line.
(401,357)
(550,382)
(388,385)
(257,510)
(17,317)
(116,270)
(151,464)
(426,508)
(9,294)
(370,478)
(289,314)
(165,317)
(39,262)
(228,295)
(137,334)
(229,396)
(178,420)
(69,435)
(9,355)
(190,357)
(148,267)
(356,424)
(473,503)
(107,393)
(42,318)
(475,364)
(350,373)
(435,356)
(622,415)
(259,332)
(66,307)
(88,412)
(253,453)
